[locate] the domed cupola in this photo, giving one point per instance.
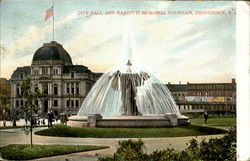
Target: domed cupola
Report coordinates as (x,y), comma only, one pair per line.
(52,51)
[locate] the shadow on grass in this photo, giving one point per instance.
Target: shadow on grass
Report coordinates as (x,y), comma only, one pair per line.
(190,130)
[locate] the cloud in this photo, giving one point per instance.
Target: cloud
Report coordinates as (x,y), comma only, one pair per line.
(34,34)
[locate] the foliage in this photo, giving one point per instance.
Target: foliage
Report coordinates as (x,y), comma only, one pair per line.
(25,152)
(30,107)
(4,108)
(130,150)
(66,131)
(216,149)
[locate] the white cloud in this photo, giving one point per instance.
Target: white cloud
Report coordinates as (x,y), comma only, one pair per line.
(34,34)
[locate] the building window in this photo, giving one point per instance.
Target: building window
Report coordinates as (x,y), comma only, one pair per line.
(55,103)
(77,103)
(55,89)
(35,71)
(17,103)
(77,88)
(21,91)
(72,88)
(45,88)
(21,103)
(72,75)
(17,91)
(45,70)
(67,87)
(72,103)
(67,103)
(56,71)
(21,76)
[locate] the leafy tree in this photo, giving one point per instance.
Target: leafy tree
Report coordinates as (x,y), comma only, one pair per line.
(4,108)
(28,110)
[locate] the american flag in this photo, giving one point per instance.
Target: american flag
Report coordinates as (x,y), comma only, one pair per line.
(49,13)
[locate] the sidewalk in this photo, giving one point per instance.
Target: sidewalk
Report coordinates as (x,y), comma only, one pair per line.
(16,136)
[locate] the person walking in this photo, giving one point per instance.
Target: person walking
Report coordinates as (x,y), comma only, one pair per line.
(50,118)
(14,122)
(205,117)
(4,123)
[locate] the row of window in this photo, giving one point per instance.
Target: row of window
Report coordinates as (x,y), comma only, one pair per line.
(72,88)
(21,103)
(219,107)
(221,87)
(46,70)
(212,93)
(69,103)
(72,103)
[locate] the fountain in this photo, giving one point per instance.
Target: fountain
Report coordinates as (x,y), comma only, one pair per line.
(128,95)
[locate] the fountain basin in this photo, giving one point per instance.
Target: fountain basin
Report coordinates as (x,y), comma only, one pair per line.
(96,120)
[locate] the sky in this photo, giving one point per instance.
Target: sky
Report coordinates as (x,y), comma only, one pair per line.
(176,45)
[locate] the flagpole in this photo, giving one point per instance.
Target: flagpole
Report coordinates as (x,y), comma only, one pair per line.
(53,18)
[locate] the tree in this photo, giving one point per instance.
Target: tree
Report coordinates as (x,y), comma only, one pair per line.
(30,95)
(4,108)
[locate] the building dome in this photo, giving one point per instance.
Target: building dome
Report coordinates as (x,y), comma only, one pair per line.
(52,51)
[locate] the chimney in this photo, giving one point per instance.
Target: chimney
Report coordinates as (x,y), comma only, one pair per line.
(179,82)
(233,80)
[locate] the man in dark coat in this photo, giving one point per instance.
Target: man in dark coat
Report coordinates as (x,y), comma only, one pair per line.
(205,117)
(50,118)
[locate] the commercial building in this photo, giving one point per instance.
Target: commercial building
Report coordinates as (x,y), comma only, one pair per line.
(213,97)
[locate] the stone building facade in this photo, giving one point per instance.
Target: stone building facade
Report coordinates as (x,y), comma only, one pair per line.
(4,99)
(214,97)
(53,71)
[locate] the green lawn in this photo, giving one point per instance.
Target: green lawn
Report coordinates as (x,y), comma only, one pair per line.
(214,121)
(25,152)
(66,131)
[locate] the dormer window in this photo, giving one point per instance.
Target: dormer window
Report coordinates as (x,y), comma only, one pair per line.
(45,70)
(56,71)
(35,71)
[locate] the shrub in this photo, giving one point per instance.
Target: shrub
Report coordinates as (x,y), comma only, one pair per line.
(216,149)
(130,150)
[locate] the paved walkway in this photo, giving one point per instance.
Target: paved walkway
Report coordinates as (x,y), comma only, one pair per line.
(16,136)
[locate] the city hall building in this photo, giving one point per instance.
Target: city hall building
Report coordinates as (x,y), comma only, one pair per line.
(52,70)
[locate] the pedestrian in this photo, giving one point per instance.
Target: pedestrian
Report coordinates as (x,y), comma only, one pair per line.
(50,118)
(4,123)
(205,117)
(43,121)
(14,122)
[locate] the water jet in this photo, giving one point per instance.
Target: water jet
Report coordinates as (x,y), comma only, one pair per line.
(128,95)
